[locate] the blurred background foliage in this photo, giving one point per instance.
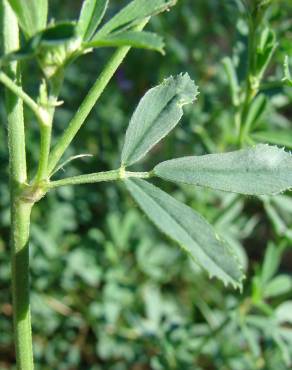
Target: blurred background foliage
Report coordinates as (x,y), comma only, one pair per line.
(108,290)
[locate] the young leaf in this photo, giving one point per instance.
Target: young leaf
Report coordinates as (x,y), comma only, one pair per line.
(133,13)
(256,111)
(281,284)
(57,34)
(287,74)
(157,114)
(144,40)
(31,14)
(195,235)
(232,79)
(259,170)
(272,260)
(91,15)
(266,48)
(49,41)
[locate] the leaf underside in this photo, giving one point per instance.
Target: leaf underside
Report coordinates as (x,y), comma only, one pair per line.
(194,234)
(259,170)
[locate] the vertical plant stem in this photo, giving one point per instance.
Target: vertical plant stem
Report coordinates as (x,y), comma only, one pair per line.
(20,211)
(249,92)
(20,220)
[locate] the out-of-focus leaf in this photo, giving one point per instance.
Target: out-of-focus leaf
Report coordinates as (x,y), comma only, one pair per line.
(284,313)
(255,112)
(258,170)
(157,114)
(189,229)
(271,263)
(133,13)
(51,37)
(57,34)
(232,79)
(287,74)
(31,14)
(266,47)
(279,137)
(281,284)
(91,15)
(144,40)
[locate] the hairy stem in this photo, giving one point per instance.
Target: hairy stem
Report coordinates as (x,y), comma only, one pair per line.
(20,220)
(88,103)
(17,90)
(99,177)
(20,211)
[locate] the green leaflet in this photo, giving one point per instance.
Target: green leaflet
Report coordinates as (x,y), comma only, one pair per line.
(133,13)
(157,114)
(91,15)
(31,14)
(195,235)
(259,170)
(145,40)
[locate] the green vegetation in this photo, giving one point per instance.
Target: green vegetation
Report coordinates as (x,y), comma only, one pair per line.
(100,287)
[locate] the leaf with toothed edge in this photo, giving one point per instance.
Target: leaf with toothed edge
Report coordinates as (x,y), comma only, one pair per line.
(259,170)
(158,112)
(194,234)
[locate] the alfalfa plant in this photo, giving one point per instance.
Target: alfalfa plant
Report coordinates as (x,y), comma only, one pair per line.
(256,170)
(248,95)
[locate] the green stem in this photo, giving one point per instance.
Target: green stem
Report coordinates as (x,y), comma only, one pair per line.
(20,211)
(17,90)
(55,85)
(99,177)
(249,92)
(88,103)
(45,145)
(20,220)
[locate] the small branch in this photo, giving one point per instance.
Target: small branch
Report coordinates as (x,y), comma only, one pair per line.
(88,103)
(113,175)
(17,90)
